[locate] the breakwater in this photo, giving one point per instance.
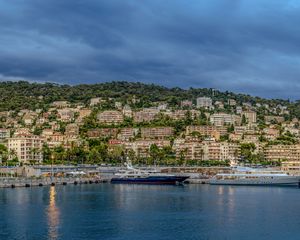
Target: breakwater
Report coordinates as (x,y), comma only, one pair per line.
(32,182)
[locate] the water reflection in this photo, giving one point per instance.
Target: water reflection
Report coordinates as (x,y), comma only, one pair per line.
(53,215)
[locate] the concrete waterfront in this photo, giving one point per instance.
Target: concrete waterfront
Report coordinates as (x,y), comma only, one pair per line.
(32,182)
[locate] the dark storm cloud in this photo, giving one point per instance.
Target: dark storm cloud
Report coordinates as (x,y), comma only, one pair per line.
(244,46)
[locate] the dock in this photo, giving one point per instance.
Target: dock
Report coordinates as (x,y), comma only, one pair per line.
(39,182)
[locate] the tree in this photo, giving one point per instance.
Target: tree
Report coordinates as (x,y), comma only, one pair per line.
(244,120)
(155,153)
(247,150)
(3,153)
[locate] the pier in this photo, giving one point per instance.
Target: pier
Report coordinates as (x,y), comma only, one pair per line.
(39,182)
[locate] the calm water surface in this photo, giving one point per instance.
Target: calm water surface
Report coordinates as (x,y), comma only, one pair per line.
(108,211)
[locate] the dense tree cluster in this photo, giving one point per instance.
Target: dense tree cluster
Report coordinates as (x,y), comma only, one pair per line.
(25,95)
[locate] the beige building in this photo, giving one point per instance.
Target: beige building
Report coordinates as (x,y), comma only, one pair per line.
(66,114)
(157,132)
(277,119)
(231,102)
(142,147)
(186,103)
(102,133)
(250,116)
(127,133)
(207,150)
(210,131)
(189,150)
(95,101)
(146,115)
(72,130)
(181,114)
(26,148)
(221,119)
(291,167)
(83,113)
(282,152)
(271,133)
(221,151)
(110,117)
(60,104)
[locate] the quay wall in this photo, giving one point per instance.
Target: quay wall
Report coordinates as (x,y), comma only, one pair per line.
(31,182)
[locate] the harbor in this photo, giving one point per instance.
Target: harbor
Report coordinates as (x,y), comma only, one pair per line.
(43,175)
(39,182)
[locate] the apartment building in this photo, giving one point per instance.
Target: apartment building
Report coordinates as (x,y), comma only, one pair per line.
(276,119)
(66,114)
(204,102)
(208,150)
(102,133)
(189,150)
(55,139)
(291,167)
(126,134)
(157,132)
(110,117)
(271,133)
(72,130)
(26,148)
(142,147)
(250,116)
(95,101)
(231,102)
(282,152)
(221,119)
(146,115)
(206,130)
(186,103)
(60,104)
(182,114)
(4,134)
(83,113)
(221,151)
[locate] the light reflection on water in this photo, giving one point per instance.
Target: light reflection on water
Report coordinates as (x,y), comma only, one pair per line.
(129,212)
(53,215)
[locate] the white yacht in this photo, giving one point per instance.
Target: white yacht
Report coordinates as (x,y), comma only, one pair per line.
(252,176)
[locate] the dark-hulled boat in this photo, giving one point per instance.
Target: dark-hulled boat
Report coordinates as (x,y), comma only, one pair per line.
(136,176)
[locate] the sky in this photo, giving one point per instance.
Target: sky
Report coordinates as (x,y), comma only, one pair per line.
(244,46)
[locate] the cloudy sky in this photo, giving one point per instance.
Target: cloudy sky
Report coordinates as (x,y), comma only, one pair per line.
(250,46)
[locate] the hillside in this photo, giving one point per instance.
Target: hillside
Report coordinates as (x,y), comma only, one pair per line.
(25,95)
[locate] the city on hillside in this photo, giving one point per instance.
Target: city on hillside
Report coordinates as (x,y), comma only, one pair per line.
(203,130)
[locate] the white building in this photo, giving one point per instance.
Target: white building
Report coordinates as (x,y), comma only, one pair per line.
(4,134)
(204,102)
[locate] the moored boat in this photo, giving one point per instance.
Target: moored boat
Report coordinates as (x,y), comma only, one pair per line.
(137,176)
(250,176)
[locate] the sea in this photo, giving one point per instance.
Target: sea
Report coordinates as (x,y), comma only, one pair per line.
(129,212)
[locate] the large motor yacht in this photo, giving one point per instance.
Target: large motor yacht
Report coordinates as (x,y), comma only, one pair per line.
(252,176)
(137,176)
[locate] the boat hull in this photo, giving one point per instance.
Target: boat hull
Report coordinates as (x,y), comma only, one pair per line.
(167,180)
(279,181)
